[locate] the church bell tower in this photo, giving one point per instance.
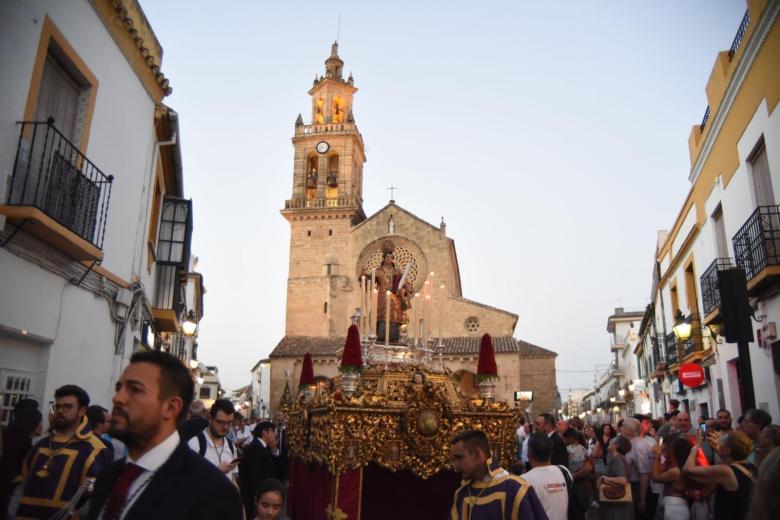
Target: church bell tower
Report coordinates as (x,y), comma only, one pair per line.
(326,202)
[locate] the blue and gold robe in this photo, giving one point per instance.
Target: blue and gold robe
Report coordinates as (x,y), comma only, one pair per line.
(501,497)
(74,459)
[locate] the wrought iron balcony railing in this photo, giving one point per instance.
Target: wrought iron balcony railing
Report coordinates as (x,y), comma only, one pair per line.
(51,174)
(740,34)
(757,243)
(671,348)
(704,119)
(710,290)
(656,340)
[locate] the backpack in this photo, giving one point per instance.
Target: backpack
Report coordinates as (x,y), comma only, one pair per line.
(202,445)
(574,508)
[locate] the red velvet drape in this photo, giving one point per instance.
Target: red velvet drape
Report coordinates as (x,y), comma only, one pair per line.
(391,495)
(310,491)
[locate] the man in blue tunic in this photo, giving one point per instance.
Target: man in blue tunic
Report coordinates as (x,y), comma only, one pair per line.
(488,492)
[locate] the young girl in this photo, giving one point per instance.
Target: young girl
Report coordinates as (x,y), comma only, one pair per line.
(270,499)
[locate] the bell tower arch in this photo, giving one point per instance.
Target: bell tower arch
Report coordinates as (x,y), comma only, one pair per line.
(326,201)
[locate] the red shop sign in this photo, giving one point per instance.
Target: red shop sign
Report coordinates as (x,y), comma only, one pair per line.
(691,374)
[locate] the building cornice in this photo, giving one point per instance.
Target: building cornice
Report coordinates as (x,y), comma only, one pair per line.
(128,26)
(749,55)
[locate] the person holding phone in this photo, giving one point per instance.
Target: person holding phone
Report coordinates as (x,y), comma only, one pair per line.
(261,460)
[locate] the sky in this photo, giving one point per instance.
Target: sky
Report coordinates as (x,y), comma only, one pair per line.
(551,136)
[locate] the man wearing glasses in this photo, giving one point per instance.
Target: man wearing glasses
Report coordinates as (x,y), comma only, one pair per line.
(213,444)
(58,464)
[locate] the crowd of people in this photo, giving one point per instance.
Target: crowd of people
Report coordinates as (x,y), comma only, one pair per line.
(653,468)
(157,455)
(160,455)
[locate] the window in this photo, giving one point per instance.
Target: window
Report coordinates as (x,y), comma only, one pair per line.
(64,95)
(330,232)
(472,324)
(325,308)
(308,233)
(205,392)
(762,183)
(721,242)
(175,230)
(14,388)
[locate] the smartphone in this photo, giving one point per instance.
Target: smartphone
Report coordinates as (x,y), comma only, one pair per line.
(661,442)
(703,428)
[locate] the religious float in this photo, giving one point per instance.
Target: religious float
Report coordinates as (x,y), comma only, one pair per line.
(375,444)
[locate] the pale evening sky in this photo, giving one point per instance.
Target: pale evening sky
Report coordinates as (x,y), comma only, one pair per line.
(552,137)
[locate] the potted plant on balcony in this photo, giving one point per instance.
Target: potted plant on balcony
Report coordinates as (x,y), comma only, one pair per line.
(351,361)
(487,372)
(306,382)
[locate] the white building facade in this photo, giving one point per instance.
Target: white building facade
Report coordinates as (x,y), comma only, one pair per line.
(94,229)
(729,225)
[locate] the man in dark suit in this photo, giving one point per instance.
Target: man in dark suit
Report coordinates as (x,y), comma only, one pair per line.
(545,423)
(196,423)
(162,478)
(261,460)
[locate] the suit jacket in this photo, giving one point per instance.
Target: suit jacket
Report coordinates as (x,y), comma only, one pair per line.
(186,487)
(560,456)
(191,427)
(257,464)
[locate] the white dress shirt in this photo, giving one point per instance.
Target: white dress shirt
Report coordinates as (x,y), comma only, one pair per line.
(150,462)
(216,455)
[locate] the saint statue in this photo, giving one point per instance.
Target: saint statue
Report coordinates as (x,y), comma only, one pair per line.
(388,277)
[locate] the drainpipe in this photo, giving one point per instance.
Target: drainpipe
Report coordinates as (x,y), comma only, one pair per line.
(663,318)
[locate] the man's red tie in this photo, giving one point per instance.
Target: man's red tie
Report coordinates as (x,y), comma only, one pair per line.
(119,492)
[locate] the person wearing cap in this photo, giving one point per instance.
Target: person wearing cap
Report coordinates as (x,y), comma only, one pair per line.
(261,460)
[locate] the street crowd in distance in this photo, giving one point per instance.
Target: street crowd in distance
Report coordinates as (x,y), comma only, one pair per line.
(645,468)
(160,455)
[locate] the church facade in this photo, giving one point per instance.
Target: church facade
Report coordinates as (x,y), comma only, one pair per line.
(332,242)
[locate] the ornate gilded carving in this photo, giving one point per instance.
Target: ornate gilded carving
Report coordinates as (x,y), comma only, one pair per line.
(397,420)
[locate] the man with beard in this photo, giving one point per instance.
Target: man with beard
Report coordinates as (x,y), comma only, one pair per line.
(58,464)
(162,477)
(213,443)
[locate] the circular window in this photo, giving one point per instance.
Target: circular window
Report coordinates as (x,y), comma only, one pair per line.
(406,254)
(472,324)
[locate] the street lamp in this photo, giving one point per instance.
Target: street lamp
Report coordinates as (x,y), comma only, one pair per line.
(189,324)
(682,327)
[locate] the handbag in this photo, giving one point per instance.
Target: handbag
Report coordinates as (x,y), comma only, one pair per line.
(616,493)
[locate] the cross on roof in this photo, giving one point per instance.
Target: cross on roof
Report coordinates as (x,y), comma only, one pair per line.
(392,190)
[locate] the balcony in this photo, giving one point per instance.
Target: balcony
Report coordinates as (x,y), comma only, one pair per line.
(325,127)
(321,203)
(56,194)
(173,258)
(670,344)
(616,347)
(757,248)
(710,289)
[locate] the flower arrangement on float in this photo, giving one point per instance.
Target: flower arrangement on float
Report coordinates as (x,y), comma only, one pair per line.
(487,372)
(351,361)
(306,382)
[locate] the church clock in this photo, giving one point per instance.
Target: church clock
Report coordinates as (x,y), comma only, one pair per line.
(323,147)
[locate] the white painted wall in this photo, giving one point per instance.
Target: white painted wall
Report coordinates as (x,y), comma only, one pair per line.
(74,322)
(737,201)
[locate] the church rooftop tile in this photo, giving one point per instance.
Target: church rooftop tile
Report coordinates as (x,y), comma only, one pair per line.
(322,346)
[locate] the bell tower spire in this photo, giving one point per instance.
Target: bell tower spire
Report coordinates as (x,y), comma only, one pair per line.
(326,202)
(334,64)
(329,151)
